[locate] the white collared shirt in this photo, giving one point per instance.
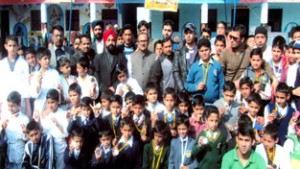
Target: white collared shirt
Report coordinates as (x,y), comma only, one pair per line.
(210,61)
(62,48)
(76,153)
(291,75)
(116,118)
(130,141)
(99,46)
(140,119)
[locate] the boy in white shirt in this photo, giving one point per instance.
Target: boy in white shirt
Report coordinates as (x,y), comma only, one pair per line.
(14,125)
(88,84)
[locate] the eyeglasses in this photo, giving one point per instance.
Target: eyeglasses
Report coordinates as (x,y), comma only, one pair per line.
(233,38)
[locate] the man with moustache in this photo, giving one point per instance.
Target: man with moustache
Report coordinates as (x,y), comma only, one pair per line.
(85,51)
(107,63)
(58,50)
(98,27)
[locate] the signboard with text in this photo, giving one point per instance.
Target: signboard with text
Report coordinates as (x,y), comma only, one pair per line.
(162,5)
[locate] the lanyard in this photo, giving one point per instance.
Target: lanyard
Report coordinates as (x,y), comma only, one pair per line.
(276,112)
(183,151)
(258,77)
(143,130)
(212,138)
(271,156)
(124,146)
(113,126)
(156,154)
(206,67)
(173,125)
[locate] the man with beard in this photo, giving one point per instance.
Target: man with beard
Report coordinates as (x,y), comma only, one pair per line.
(58,50)
(142,61)
(98,45)
(107,63)
(162,72)
(185,56)
(85,51)
(261,39)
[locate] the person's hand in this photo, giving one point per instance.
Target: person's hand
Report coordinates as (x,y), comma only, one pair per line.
(112,89)
(296,91)
(98,153)
(71,148)
(5,124)
(293,120)
(237,84)
(144,138)
(184,167)
(114,141)
(271,117)
(93,90)
(222,110)
(173,132)
(23,128)
(260,120)
(97,108)
(243,110)
(274,83)
(256,87)
(39,77)
(54,121)
(200,141)
(36,116)
(201,86)
(229,127)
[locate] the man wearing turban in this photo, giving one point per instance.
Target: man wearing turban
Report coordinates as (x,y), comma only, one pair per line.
(106,63)
(98,28)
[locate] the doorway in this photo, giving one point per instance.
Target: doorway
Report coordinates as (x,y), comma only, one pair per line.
(4,29)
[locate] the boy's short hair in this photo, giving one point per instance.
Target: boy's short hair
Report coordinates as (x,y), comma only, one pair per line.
(128,27)
(271,130)
(127,121)
(86,102)
(255,97)
(75,87)
(143,23)
(207,30)
(57,27)
(117,98)
(246,130)
(11,38)
(33,125)
(138,100)
(246,81)
(242,29)
(14,97)
(84,62)
(85,36)
(77,132)
(279,42)
(198,100)
(245,120)
(168,23)
(163,41)
(203,42)
(183,97)
(223,23)
(290,45)
(220,38)
(229,86)
(121,69)
(106,133)
(129,96)
(163,129)
(228,30)
(170,91)
(107,94)
(150,86)
(42,52)
(211,110)
(183,119)
(283,88)
(53,94)
(30,51)
(294,30)
(157,42)
(256,51)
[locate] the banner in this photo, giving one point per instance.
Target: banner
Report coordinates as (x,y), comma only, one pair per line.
(162,5)
(9,2)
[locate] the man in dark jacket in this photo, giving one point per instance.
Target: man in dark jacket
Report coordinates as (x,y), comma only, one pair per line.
(185,56)
(107,63)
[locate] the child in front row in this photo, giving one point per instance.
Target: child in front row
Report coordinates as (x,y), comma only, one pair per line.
(127,152)
(229,109)
(254,104)
(273,154)
(197,120)
(88,83)
(170,112)
(74,95)
(281,112)
(76,155)
(114,118)
(39,150)
(156,153)
(102,157)
(181,158)
(153,105)
(211,144)
(142,122)
(14,128)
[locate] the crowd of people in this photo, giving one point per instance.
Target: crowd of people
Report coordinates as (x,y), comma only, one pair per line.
(229,101)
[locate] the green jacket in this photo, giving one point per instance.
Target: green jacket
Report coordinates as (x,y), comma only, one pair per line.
(148,156)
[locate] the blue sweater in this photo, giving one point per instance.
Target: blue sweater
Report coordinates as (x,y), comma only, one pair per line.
(214,81)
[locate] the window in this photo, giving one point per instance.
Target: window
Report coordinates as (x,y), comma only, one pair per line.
(212,19)
(242,16)
(109,14)
(173,16)
(35,20)
(75,20)
(275,19)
